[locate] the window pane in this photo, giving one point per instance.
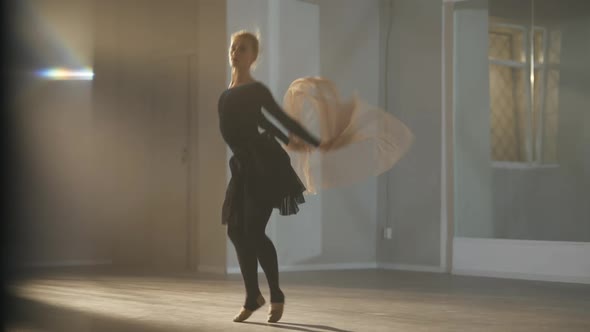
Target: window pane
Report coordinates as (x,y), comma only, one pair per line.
(508,112)
(506,42)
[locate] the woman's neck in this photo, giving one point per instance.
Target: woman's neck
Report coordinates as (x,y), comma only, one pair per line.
(239,77)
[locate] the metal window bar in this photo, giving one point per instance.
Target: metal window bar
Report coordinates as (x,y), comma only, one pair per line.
(529,50)
(541,120)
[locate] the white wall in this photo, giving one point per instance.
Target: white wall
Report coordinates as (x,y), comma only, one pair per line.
(413,205)
(473,172)
(542,204)
(350,56)
(295,46)
(209,182)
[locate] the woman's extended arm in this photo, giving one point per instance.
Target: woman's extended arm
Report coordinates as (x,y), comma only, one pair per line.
(272,129)
(269,103)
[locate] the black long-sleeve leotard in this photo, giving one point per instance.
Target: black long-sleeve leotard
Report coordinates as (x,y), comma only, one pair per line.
(240,115)
(261,170)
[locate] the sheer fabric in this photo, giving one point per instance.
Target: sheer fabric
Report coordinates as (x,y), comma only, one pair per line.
(359,140)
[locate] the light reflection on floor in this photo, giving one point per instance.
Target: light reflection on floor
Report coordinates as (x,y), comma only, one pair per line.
(316,301)
(172,302)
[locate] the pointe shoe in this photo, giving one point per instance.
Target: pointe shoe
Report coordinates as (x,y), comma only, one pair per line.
(275,312)
(246,313)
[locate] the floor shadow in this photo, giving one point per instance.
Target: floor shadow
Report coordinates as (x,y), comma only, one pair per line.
(300,327)
(319,327)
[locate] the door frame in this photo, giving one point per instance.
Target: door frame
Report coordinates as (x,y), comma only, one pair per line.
(190,256)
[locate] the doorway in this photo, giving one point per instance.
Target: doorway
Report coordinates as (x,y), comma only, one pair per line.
(171,97)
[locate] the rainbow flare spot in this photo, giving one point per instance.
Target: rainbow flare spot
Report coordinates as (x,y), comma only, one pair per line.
(66,74)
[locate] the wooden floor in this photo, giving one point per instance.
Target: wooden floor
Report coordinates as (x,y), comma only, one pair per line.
(368,300)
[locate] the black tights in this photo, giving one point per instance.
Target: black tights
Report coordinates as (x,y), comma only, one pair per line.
(253,246)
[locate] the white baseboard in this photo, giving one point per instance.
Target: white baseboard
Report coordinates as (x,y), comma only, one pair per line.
(522,259)
(69,263)
(523,276)
(330,267)
(315,267)
(349,266)
(411,267)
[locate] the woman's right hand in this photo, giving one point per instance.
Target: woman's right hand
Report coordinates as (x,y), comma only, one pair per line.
(297,144)
(324,146)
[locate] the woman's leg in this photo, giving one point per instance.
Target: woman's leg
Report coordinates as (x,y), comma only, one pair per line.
(252,245)
(247,260)
(265,251)
(267,256)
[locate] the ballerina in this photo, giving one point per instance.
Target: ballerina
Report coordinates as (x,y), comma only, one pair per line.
(262,176)
(358,141)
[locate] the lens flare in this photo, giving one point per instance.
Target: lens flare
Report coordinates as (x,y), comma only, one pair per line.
(85,74)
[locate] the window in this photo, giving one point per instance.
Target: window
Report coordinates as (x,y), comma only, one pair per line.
(523,102)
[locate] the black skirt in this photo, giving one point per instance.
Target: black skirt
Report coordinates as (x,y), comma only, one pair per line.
(261,175)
